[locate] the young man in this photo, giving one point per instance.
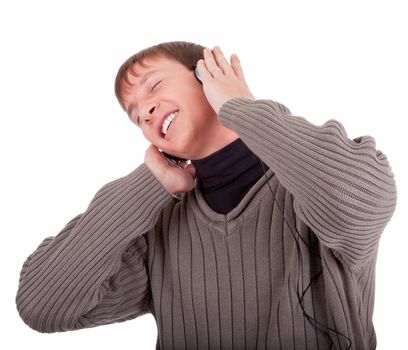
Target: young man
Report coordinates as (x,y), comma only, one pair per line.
(231,263)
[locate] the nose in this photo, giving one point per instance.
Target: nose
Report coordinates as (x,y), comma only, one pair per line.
(148,112)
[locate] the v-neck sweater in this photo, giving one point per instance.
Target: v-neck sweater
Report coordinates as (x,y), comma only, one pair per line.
(241,280)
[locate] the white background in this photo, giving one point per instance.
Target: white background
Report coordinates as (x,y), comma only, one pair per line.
(63,134)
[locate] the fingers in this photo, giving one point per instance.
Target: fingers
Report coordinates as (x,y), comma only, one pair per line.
(236,65)
(221,60)
(208,67)
(202,71)
(210,62)
(215,64)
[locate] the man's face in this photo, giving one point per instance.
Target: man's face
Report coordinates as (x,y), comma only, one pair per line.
(170,87)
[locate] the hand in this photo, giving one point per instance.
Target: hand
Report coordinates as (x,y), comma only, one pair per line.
(175,179)
(222,81)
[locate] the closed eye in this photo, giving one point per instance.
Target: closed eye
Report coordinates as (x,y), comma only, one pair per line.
(137,119)
(156,84)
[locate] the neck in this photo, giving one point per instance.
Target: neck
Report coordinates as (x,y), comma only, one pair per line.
(218,139)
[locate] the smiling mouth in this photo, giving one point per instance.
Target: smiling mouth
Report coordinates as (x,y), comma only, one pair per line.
(168,129)
(167,124)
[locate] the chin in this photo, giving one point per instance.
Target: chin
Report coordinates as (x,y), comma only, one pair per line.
(181,146)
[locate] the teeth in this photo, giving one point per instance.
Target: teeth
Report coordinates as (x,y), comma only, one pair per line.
(167,122)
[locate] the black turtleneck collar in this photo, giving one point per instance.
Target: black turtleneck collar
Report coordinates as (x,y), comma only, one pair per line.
(225,176)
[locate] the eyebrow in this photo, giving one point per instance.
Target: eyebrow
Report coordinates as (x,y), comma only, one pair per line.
(142,82)
(148,74)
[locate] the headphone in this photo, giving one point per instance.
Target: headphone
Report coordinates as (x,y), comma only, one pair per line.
(316,324)
(197,75)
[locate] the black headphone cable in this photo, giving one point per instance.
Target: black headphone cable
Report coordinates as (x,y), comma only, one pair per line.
(312,320)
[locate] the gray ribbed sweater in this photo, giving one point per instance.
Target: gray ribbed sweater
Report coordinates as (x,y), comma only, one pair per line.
(215,281)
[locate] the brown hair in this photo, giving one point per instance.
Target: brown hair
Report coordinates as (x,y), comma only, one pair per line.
(182,51)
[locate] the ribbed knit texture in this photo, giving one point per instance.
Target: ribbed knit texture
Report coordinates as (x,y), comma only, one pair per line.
(215,281)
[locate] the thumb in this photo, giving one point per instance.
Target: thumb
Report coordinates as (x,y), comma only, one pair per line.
(202,70)
(191,170)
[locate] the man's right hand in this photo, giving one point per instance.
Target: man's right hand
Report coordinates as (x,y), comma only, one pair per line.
(175,179)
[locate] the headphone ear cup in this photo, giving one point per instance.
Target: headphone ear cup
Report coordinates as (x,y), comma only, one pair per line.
(197,75)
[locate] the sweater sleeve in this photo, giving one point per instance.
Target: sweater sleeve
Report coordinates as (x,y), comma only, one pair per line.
(93,272)
(343,189)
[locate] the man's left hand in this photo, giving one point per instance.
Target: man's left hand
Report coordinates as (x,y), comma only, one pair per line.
(222,81)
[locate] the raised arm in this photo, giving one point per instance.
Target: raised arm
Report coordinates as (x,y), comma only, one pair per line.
(94,272)
(343,189)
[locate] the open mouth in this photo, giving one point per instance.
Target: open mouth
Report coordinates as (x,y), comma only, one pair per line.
(168,124)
